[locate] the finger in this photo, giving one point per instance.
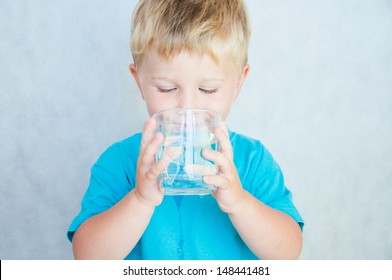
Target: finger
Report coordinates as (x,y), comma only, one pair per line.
(148,132)
(224,141)
(172,152)
(200,169)
(217,181)
(148,154)
(171,139)
(156,169)
(224,127)
(219,159)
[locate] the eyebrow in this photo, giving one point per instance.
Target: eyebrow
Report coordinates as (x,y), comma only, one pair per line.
(160,78)
(204,80)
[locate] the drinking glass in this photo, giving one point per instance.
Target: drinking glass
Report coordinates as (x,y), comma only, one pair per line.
(186,133)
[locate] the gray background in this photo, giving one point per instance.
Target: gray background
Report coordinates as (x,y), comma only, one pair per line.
(319,96)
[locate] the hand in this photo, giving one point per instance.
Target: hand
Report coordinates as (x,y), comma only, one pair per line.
(229,193)
(148,190)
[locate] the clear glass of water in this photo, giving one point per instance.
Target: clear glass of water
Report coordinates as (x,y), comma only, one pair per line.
(187,132)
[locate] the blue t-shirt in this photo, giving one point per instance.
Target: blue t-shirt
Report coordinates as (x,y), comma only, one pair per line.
(186,227)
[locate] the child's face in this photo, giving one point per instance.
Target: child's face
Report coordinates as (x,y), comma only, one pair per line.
(189,81)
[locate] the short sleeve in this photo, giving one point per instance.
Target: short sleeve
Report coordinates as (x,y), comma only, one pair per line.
(263,178)
(112,177)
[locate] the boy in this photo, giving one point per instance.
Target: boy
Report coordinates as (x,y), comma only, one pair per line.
(188,54)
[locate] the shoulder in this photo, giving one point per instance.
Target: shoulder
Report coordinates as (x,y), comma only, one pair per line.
(261,175)
(239,140)
(127,143)
(252,159)
(124,147)
(251,149)
(119,158)
(246,148)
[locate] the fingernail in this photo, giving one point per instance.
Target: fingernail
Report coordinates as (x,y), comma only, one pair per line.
(204,151)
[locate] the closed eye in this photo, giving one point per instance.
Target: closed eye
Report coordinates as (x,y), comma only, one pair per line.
(208,91)
(166,90)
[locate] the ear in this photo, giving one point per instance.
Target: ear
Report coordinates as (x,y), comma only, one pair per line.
(133,70)
(241,80)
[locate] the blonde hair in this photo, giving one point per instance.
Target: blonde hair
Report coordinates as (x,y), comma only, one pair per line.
(200,26)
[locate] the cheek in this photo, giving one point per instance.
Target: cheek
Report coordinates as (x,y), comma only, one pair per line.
(153,106)
(156,104)
(225,113)
(222,106)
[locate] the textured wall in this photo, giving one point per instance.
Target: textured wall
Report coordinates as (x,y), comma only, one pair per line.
(319,96)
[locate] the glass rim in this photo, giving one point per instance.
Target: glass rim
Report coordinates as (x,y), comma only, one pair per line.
(176,110)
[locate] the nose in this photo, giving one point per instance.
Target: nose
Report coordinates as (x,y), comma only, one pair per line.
(188,100)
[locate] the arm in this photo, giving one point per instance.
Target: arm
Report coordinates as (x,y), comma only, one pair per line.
(113,233)
(269,233)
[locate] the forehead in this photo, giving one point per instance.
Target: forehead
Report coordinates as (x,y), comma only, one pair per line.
(222,58)
(190,61)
